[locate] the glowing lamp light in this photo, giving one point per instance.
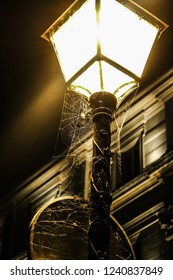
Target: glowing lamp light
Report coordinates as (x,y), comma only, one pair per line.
(103,45)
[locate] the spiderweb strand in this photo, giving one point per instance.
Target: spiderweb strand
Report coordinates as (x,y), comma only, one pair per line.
(119,125)
(75,121)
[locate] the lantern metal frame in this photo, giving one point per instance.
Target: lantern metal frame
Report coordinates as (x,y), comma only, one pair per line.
(131,5)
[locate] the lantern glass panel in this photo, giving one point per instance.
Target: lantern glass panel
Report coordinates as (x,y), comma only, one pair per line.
(75,41)
(125,37)
(101,76)
(95,36)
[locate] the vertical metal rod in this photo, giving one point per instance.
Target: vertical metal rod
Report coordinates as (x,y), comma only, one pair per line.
(103,105)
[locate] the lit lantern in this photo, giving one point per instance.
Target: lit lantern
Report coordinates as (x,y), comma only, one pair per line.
(103,45)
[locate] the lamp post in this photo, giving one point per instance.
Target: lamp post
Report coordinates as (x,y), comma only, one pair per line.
(102,47)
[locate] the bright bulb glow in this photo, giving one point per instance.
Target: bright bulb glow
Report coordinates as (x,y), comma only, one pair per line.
(106,46)
(75,41)
(125,37)
(114,80)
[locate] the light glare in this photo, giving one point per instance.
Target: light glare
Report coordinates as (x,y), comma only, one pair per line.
(104,45)
(125,37)
(75,41)
(113,79)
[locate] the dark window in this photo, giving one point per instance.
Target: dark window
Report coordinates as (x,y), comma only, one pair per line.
(130,161)
(129,165)
(169,123)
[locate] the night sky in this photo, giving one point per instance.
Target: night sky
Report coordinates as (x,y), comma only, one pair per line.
(32,85)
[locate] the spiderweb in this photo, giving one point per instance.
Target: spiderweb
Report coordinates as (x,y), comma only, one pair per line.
(59,230)
(123,109)
(75,128)
(75,121)
(75,131)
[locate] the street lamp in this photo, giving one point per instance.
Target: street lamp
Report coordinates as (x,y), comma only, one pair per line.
(102,47)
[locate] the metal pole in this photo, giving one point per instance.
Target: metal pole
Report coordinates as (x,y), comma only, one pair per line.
(103,105)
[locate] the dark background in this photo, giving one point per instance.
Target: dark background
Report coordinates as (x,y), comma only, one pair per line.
(32,87)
